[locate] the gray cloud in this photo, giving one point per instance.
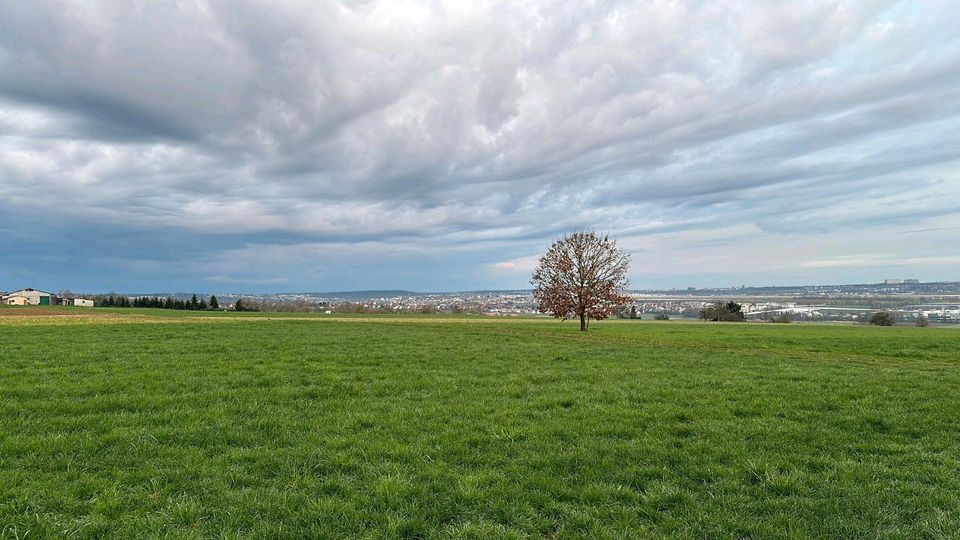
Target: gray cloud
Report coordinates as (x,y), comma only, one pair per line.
(469,134)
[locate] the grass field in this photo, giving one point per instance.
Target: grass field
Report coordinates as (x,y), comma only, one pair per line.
(112,425)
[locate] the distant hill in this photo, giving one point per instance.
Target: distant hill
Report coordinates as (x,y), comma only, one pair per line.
(359,295)
(344,295)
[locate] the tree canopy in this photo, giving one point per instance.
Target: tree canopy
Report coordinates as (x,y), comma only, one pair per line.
(719,311)
(882,318)
(582,275)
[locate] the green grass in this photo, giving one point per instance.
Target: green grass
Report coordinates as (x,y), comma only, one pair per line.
(433,428)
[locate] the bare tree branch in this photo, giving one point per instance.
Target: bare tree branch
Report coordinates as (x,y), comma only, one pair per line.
(582,275)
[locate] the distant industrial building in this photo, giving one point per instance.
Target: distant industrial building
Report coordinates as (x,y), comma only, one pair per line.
(79,302)
(894,281)
(26,297)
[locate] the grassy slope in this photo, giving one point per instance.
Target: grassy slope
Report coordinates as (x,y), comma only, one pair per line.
(312,429)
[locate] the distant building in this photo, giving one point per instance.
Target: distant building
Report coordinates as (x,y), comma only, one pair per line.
(79,302)
(911,281)
(32,297)
(891,282)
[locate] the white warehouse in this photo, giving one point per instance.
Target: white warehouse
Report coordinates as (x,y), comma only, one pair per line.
(26,297)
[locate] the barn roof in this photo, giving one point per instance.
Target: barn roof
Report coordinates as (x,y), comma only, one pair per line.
(27,290)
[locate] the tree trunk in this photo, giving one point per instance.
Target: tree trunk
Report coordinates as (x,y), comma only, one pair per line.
(583,323)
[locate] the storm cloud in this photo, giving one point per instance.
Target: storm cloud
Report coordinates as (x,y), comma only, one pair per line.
(241,146)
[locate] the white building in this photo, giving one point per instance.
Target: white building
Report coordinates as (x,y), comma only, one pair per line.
(79,302)
(14,301)
(33,297)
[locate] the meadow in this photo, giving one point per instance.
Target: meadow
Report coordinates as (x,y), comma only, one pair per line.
(113,425)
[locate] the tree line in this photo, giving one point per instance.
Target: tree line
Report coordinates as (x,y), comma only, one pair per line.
(719,311)
(168,302)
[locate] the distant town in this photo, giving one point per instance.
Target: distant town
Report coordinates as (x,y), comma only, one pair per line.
(906,299)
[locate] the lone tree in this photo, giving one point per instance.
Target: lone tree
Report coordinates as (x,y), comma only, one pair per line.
(582,275)
(882,318)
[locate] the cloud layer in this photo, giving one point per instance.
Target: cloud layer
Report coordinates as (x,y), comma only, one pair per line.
(440,145)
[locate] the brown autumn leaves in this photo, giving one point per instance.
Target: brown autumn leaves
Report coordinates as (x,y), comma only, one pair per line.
(582,275)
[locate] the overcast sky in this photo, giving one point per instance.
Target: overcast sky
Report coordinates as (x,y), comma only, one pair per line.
(316,146)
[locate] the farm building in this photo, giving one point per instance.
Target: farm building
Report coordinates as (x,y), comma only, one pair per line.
(80,302)
(14,301)
(32,297)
